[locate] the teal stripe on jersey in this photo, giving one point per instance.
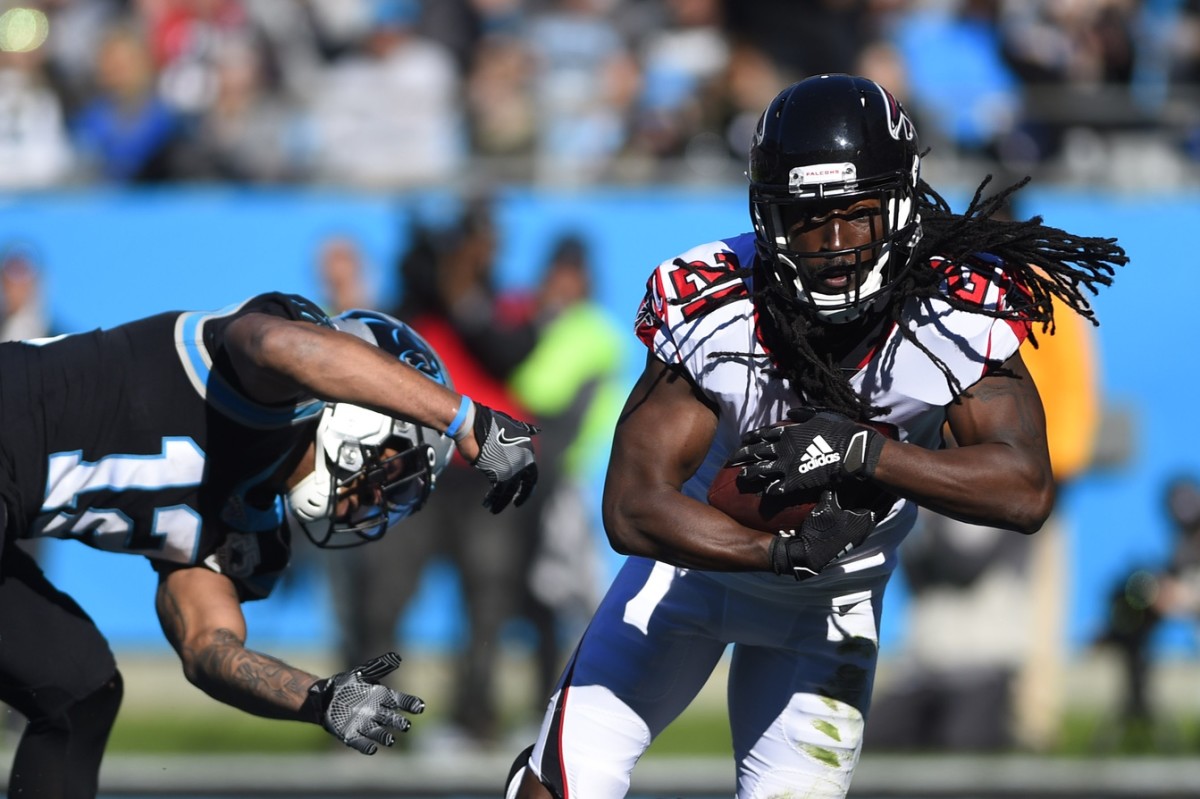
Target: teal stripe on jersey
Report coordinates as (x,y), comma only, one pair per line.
(189,332)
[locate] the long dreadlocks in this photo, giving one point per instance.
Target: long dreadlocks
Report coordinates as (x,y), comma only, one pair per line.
(1040,263)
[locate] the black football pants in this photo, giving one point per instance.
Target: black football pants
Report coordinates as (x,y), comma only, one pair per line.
(58,671)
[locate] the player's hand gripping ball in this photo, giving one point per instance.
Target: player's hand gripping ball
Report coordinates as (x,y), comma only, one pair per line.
(745,501)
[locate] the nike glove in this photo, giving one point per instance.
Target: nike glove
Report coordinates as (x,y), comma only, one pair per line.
(828,532)
(357,710)
(822,448)
(505,456)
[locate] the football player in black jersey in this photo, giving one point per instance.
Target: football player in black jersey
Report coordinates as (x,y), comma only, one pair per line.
(204,441)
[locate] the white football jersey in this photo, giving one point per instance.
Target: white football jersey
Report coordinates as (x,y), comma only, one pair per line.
(698,315)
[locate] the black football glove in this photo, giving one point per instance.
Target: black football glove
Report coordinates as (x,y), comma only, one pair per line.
(827,532)
(820,450)
(357,710)
(505,456)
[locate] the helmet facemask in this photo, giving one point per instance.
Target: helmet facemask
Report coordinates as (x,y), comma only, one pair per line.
(370,472)
(822,191)
(835,143)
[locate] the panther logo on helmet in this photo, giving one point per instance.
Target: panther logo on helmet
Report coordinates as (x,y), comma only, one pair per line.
(371,471)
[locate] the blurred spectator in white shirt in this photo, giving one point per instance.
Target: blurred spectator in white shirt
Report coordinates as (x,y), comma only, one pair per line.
(585,86)
(248,134)
(389,114)
(35,150)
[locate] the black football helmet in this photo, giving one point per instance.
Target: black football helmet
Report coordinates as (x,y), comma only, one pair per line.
(823,143)
(394,462)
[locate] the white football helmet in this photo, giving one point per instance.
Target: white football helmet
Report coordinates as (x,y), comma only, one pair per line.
(389,465)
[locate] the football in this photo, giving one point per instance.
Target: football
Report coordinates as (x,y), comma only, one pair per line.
(773,513)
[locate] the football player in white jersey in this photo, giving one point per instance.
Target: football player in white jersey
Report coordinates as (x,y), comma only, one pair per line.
(858,297)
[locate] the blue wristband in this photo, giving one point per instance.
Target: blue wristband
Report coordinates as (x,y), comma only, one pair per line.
(456,426)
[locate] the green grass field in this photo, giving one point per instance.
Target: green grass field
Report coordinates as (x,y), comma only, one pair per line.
(700,731)
(217,729)
(163,714)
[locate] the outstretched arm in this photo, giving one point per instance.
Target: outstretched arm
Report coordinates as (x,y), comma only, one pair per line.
(201,616)
(278,360)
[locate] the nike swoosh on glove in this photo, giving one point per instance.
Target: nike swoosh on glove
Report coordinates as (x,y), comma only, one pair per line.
(506,456)
(818,450)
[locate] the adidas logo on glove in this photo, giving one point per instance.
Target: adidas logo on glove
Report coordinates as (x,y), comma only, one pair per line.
(818,454)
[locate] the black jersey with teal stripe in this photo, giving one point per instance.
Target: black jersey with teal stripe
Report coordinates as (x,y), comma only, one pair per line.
(139,439)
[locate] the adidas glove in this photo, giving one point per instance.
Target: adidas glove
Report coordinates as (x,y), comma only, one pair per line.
(822,448)
(357,710)
(827,533)
(505,456)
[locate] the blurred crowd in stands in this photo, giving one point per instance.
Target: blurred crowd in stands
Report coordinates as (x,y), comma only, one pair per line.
(532,576)
(399,94)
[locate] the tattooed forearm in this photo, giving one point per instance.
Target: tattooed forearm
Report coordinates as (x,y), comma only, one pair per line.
(201,616)
(251,681)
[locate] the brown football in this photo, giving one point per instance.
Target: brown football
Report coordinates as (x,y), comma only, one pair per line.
(774,513)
